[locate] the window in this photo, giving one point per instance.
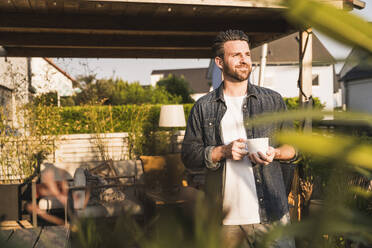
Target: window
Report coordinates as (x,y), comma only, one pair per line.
(315,79)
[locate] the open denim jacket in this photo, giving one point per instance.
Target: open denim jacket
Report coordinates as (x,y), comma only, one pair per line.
(203,134)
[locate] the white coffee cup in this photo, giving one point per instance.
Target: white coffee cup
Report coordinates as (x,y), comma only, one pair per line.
(257,145)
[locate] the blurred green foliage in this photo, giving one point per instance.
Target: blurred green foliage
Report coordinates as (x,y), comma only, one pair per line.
(339,165)
(77,119)
(171,90)
(23,143)
(345,218)
(177,86)
(293,103)
(335,23)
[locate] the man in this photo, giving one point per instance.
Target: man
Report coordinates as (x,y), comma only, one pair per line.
(250,186)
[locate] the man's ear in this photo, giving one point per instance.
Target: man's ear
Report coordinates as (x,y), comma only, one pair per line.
(219,62)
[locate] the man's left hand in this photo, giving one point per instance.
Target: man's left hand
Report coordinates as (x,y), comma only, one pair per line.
(264,159)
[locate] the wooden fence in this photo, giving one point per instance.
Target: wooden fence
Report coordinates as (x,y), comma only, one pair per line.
(89,150)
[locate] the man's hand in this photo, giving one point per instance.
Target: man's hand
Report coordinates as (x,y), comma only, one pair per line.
(235,151)
(264,159)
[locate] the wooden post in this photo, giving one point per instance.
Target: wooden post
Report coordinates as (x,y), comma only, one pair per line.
(33,193)
(305,97)
(261,76)
(306,78)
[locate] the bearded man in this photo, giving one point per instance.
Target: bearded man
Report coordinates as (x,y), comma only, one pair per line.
(249,185)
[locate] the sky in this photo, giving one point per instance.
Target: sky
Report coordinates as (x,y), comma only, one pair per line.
(139,70)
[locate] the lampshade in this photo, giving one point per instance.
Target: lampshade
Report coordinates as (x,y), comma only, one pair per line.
(172,116)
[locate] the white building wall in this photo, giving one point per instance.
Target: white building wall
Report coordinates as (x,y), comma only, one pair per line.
(358,95)
(47,78)
(155,78)
(283,79)
(13,75)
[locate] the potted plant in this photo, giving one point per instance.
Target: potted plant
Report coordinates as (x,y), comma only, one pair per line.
(22,150)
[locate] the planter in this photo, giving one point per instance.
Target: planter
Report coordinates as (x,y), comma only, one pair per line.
(13,197)
(315,206)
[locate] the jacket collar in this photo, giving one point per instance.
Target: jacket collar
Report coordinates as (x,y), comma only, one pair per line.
(251,89)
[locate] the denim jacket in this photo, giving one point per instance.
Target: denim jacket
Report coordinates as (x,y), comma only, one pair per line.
(203,133)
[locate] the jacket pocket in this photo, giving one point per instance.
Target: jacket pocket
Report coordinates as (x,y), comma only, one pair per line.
(210,132)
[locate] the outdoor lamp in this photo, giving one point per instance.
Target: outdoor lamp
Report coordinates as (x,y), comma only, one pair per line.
(172,116)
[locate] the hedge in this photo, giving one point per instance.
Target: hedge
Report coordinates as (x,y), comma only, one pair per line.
(123,118)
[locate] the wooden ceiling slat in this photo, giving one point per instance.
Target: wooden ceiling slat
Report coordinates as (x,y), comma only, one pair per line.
(22,5)
(39,6)
(7,5)
(71,6)
(153,28)
(55,6)
(78,40)
(240,3)
(133,9)
(87,7)
(18,30)
(106,53)
(163,11)
(76,22)
(183,12)
(69,31)
(149,13)
(103,8)
(32,4)
(118,8)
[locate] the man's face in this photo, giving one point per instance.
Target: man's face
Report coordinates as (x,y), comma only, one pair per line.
(237,64)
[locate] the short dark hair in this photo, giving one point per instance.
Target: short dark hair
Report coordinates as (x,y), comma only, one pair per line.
(228,35)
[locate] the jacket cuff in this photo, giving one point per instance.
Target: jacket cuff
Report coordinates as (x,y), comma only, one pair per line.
(295,157)
(208,159)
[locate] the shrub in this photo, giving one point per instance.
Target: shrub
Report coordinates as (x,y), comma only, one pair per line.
(293,103)
(78,119)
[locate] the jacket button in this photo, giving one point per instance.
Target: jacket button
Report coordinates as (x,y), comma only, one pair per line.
(210,124)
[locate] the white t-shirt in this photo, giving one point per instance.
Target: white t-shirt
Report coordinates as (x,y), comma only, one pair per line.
(240,196)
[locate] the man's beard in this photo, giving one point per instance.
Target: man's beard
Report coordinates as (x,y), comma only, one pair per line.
(238,75)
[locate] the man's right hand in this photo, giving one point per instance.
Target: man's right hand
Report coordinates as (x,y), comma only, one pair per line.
(235,151)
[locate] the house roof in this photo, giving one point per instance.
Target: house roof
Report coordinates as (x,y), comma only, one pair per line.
(285,51)
(50,61)
(196,77)
(358,72)
(358,65)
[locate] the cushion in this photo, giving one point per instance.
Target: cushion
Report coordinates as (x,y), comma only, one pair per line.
(163,171)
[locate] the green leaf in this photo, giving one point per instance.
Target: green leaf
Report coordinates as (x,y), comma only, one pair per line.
(338,24)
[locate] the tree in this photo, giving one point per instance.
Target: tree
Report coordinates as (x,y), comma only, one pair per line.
(119,92)
(134,93)
(177,86)
(112,92)
(94,91)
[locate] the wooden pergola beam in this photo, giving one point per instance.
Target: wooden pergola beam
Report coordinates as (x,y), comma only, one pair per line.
(114,41)
(93,23)
(150,52)
(246,3)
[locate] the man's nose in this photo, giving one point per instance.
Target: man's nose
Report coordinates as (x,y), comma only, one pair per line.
(245,59)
